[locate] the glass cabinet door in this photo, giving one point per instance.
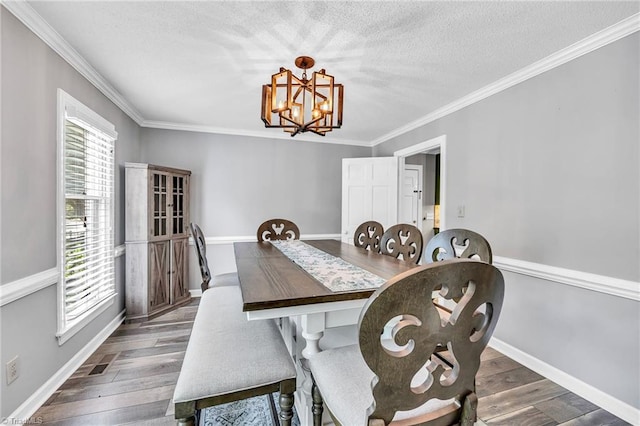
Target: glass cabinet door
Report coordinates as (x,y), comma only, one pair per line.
(178,225)
(159,207)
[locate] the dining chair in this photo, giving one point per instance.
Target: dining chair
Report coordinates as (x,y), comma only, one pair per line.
(402,239)
(470,245)
(278,229)
(230,278)
(393,377)
(368,235)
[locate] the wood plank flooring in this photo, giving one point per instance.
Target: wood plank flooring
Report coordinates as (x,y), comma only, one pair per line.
(130,379)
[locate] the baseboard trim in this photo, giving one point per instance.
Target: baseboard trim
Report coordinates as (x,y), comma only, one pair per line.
(39,397)
(619,408)
(245,238)
(600,283)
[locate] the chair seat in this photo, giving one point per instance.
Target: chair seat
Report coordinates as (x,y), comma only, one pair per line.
(224,345)
(344,372)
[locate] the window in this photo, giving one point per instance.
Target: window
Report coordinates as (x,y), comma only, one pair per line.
(86,173)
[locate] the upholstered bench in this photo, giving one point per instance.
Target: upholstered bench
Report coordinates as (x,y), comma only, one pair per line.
(229,358)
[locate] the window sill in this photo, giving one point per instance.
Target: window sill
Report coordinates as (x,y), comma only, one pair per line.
(79,323)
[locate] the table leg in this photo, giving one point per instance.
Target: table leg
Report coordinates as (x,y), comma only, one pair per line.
(312,331)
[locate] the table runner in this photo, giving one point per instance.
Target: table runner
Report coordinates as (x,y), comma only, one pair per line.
(333,272)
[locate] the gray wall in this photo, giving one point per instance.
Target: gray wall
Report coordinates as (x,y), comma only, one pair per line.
(548,172)
(31,75)
(239,182)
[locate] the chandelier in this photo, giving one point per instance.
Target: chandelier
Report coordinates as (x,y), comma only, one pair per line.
(299,105)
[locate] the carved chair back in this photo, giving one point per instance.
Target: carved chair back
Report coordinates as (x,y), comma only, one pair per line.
(201,249)
(402,239)
(278,229)
(471,244)
(408,376)
(368,235)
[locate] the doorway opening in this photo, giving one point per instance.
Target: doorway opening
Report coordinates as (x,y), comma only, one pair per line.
(431,154)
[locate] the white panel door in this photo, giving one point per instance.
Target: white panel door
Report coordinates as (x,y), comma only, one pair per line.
(369,192)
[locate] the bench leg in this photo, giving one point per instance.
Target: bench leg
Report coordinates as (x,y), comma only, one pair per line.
(185,413)
(317,407)
(286,408)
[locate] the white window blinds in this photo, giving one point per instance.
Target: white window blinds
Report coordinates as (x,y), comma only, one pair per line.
(88,187)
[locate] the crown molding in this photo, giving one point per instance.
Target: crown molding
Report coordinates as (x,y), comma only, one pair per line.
(25,13)
(595,41)
(268,134)
(32,20)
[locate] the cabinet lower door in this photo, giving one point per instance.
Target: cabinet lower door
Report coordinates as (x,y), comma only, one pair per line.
(159,275)
(179,270)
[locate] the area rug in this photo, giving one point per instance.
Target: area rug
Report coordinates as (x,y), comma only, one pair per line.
(261,410)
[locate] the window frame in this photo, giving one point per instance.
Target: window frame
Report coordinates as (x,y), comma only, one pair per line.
(66,103)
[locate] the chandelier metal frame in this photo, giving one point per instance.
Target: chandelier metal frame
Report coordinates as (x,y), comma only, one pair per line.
(299,105)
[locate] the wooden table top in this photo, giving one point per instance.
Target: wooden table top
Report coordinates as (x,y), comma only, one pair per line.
(269,279)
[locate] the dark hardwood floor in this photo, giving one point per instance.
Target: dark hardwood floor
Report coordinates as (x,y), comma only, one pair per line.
(131,377)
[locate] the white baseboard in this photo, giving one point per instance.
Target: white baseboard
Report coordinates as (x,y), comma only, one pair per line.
(613,405)
(39,397)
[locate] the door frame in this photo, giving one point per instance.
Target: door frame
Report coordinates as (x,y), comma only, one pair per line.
(430,146)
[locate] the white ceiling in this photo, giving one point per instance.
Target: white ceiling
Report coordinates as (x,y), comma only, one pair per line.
(201,64)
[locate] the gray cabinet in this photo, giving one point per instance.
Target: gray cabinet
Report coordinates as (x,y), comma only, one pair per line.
(157,239)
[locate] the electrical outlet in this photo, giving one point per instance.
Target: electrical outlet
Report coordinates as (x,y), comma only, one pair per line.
(12,370)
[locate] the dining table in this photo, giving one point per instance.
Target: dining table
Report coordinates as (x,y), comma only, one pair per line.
(309,286)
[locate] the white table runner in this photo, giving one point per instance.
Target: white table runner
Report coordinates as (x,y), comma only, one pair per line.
(333,272)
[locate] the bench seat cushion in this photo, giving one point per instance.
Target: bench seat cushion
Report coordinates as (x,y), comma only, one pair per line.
(230,278)
(227,353)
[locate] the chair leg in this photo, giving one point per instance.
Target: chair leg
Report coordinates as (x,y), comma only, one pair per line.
(469,410)
(190,421)
(286,408)
(317,407)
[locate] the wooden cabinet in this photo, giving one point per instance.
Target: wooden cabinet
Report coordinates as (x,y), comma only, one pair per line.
(157,239)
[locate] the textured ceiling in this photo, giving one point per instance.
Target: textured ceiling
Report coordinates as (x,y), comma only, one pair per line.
(202,64)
